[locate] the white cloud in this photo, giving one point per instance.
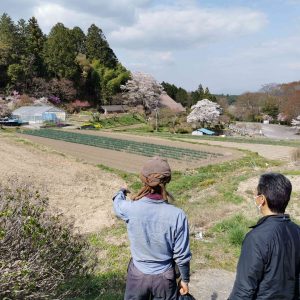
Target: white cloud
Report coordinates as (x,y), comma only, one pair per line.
(48,14)
(182,27)
(144,60)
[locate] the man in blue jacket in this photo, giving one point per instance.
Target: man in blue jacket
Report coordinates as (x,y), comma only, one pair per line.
(159,237)
(269,264)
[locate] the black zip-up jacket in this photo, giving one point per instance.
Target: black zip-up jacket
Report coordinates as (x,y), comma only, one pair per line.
(269,264)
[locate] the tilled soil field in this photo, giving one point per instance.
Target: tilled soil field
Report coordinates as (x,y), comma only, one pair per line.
(132,162)
(79,190)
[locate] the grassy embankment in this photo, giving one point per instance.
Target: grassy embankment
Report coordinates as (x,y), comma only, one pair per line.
(209,197)
(110,121)
(144,130)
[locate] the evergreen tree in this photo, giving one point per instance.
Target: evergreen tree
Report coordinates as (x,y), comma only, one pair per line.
(8,36)
(60,53)
(97,47)
(79,40)
(170,89)
(35,46)
(200,92)
(182,97)
(206,93)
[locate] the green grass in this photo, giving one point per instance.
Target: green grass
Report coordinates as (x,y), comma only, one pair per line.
(121,120)
(255,140)
(108,282)
(291,172)
(233,230)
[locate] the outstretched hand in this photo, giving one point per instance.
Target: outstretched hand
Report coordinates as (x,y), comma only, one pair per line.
(125,189)
(183,287)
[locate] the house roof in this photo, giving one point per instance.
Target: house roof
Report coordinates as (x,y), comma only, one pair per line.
(113,108)
(35,110)
(167,101)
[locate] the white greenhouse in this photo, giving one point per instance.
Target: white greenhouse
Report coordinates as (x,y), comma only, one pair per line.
(39,114)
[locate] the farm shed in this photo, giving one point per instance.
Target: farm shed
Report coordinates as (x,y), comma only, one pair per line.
(112,109)
(202,131)
(39,114)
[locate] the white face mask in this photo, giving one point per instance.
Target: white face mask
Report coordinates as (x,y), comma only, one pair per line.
(258,207)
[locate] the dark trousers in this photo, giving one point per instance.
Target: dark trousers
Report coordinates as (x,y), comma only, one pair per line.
(140,286)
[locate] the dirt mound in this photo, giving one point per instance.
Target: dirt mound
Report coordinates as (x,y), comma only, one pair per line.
(79,190)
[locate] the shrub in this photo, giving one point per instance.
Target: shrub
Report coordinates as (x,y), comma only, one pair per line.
(183,128)
(233,229)
(296,155)
(40,253)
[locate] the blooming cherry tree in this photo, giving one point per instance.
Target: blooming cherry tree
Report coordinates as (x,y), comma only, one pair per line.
(205,112)
(296,123)
(142,89)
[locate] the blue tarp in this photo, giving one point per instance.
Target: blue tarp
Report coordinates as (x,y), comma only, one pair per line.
(206,131)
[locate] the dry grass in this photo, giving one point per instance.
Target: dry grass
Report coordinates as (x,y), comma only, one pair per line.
(295,156)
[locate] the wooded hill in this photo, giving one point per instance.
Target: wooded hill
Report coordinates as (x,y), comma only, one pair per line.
(64,65)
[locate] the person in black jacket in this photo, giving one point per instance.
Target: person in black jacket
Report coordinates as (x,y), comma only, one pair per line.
(269,263)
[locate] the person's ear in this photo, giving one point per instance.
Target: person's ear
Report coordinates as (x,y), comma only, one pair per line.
(263,200)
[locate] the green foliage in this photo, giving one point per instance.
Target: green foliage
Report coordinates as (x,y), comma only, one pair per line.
(170,89)
(8,36)
(35,41)
(60,52)
(39,250)
(98,48)
(29,60)
(15,72)
(118,120)
(271,108)
(110,80)
(79,39)
(233,230)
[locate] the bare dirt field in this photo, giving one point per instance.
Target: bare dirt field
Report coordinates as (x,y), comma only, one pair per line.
(79,190)
(131,162)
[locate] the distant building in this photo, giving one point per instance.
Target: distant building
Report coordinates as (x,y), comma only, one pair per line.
(113,109)
(39,114)
(167,101)
(203,131)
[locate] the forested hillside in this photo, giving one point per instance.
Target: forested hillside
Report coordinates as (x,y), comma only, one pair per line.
(64,65)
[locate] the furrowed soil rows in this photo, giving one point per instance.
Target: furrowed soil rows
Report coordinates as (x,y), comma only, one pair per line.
(128,153)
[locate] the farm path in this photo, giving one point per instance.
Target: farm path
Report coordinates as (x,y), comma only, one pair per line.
(268,151)
(211,284)
(132,162)
(79,190)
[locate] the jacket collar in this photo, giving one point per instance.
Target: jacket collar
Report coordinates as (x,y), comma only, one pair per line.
(149,200)
(278,217)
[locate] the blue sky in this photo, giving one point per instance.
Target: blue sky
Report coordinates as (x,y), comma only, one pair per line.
(230,46)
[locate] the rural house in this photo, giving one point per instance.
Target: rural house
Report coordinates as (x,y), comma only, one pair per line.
(166,101)
(39,114)
(113,109)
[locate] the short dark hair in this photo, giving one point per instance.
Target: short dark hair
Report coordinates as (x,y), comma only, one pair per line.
(277,190)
